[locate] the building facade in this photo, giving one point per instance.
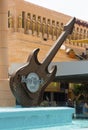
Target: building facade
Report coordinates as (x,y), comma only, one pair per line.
(31,26)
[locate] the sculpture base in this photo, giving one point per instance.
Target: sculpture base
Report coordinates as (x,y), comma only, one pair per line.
(31,118)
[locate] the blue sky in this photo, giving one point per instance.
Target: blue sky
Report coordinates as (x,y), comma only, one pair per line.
(75,8)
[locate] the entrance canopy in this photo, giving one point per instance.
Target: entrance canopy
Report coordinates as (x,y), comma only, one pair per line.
(74,71)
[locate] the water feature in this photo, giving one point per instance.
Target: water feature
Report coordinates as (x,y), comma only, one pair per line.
(34,118)
(75,125)
(40,118)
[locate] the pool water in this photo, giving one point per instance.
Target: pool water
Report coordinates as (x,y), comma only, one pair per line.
(77,124)
(47,118)
(34,118)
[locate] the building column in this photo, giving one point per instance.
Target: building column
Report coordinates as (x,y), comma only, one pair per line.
(6,97)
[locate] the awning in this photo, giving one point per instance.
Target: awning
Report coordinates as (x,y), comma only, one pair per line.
(73,71)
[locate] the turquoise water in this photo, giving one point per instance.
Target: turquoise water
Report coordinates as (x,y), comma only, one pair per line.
(49,118)
(76,125)
(34,118)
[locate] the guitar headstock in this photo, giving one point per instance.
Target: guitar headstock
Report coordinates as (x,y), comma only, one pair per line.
(70,25)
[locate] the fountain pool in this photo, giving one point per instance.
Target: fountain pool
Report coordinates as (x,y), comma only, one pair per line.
(34,118)
(40,118)
(77,124)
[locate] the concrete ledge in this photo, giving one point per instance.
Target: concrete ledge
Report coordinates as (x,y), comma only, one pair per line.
(29,118)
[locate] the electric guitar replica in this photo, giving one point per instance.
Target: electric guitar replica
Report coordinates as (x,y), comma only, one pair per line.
(29,82)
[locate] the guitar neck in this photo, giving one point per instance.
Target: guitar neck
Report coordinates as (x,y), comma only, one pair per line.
(68,29)
(54,49)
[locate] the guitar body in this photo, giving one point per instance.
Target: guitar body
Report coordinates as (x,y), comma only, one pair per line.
(26,92)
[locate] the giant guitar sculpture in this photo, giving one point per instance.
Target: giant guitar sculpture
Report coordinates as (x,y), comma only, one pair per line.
(29,82)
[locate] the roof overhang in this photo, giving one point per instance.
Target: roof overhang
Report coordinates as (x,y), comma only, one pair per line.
(81,78)
(76,71)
